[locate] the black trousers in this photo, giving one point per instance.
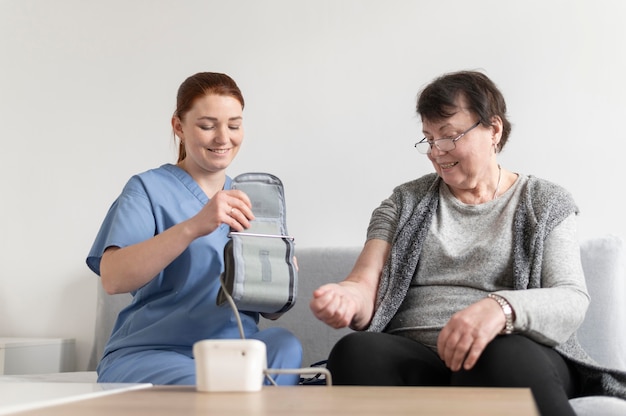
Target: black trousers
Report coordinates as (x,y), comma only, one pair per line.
(370,358)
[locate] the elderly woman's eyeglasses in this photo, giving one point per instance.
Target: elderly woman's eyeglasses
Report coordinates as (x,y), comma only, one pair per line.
(445,144)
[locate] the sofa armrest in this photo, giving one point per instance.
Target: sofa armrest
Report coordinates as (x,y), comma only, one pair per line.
(603,332)
(107,309)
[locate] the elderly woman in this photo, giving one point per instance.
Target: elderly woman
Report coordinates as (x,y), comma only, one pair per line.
(470,276)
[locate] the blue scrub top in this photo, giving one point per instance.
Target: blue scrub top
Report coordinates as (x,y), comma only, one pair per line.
(177,307)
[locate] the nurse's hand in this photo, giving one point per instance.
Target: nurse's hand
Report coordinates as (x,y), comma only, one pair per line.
(231,207)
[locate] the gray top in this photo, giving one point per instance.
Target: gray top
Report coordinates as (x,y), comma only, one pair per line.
(458,268)
(522,246)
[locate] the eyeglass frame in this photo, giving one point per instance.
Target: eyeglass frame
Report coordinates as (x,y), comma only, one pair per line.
(452,140)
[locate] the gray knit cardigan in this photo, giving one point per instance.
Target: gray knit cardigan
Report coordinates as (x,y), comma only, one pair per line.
(543,206)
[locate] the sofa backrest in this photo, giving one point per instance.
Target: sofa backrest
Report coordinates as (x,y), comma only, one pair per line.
(602,334)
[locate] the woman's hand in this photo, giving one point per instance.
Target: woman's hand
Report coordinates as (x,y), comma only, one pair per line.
(463,339)
(351,302)
(232,207)
(337,304)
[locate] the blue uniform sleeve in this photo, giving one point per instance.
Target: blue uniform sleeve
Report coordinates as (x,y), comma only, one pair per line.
(130,220)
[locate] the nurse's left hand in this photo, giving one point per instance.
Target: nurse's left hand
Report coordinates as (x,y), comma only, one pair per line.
(463,339)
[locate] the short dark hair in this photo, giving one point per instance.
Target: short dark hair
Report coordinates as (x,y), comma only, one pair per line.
(439,99)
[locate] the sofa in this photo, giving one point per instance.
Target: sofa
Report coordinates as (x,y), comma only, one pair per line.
(603,333)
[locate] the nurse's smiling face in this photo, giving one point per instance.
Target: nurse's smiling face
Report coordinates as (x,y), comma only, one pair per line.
(212,133)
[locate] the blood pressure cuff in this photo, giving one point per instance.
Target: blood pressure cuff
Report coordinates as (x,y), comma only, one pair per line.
(259,267)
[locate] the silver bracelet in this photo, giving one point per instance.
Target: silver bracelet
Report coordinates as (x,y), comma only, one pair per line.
(508,313)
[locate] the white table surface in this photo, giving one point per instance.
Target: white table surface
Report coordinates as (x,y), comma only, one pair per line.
(20,396)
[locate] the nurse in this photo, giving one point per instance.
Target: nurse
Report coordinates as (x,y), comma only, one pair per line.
(163,240)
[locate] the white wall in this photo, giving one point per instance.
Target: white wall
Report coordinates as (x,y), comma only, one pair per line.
(87,90)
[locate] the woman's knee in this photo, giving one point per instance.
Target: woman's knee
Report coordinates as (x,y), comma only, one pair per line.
(348,357)
(368,358)
(355,346)
(284,349)
(515,353)
(517,361)
(525,360)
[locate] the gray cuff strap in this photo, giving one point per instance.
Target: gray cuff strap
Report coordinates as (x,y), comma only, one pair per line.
(259,269)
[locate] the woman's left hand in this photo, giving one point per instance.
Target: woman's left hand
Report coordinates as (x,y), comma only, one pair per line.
(463,339)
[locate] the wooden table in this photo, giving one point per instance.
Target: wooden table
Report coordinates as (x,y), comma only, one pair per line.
(304,400)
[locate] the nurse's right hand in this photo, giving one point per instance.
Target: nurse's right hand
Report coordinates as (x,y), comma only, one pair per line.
(231,207)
